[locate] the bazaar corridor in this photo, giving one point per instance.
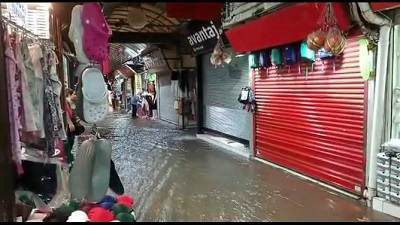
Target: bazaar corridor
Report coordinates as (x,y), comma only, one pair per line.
(175,177)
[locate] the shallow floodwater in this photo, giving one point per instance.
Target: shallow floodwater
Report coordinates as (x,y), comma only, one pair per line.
(175,177)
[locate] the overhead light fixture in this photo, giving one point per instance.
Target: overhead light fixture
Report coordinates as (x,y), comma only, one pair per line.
(239,55)
(137,18)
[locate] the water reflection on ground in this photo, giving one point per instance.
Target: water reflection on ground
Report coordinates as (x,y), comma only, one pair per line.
(175,177)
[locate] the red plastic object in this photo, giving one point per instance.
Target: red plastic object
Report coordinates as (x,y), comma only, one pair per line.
(126,200)
(98,214)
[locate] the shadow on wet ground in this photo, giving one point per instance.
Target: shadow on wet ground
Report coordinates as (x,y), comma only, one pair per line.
(173,176)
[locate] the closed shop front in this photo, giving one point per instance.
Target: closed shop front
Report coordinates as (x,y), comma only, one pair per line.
(156,64)
(311,123)
(166,98)
(315,126)
(221,87)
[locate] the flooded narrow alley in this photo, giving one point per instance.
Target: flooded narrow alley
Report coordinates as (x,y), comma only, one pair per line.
(175,177)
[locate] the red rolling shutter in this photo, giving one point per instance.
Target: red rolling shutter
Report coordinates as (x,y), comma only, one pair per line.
(315,126)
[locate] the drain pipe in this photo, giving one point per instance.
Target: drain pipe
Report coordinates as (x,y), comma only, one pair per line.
(370,16)
(372,36)
(378,113)
(379,98)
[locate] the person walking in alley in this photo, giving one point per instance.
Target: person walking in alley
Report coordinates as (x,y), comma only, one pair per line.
(135,102)
(114,98)
(71,98)
(128,103)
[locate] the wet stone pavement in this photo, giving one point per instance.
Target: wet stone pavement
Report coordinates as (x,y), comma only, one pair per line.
(175,177)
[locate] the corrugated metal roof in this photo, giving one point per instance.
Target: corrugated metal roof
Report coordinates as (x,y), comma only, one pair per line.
(158,21)
(130,51)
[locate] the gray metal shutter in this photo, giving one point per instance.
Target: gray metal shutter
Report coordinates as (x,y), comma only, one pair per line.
(166,99)
(222,85)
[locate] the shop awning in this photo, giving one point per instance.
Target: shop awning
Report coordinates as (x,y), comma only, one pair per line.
(194,11)
(125,70)
(288,25)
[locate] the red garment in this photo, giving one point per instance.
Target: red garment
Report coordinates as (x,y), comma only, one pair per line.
(68,110)
(106,66)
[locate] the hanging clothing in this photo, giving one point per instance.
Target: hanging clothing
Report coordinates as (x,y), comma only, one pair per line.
(36,56)
(57,88)
(13,103)
(51,115)
(37,101)
(70,140)
(27,117)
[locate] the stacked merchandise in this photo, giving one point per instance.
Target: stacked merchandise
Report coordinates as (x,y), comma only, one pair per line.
(109,209)
(388,178)
(35,116)
(92,178)
(46,184)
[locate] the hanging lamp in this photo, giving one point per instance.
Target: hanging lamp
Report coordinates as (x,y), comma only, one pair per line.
(137,18)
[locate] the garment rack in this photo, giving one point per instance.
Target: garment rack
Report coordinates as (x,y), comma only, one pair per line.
(47,43)
(15,25)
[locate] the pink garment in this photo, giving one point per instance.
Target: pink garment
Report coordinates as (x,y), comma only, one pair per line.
(13,102)
(96,32)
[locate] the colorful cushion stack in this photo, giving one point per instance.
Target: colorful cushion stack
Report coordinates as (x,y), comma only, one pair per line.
(108,209)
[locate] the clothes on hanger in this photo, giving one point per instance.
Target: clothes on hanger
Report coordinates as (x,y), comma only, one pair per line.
(37,84)
(34,92)
(13,100)
(28,120)
(35,113)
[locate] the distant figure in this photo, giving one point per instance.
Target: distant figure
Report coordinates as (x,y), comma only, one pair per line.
(144,108)
(128,104)
(143,93)
(114,98)
(71,98)
(135,102)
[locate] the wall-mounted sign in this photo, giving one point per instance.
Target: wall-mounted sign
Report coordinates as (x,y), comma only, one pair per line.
(155,61)
(150,77)
(138,83)
(203,36)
